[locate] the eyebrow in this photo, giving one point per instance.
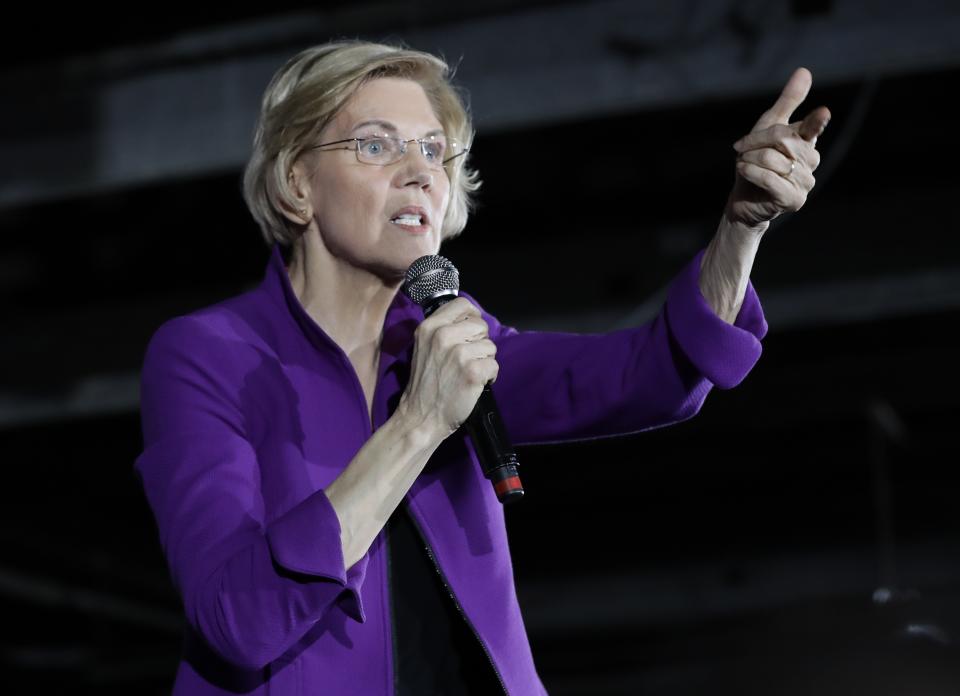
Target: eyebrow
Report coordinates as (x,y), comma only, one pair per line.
(386,125)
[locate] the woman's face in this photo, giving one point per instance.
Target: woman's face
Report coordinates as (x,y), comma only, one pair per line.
(357,206)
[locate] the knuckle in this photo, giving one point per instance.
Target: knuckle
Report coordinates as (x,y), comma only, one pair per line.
(449,310)
(430,325)
(461,354)
(784,132)
(466,306)
(786,141)
(425,335)
(442,337)
(471,324)
(425,326)
(474,372)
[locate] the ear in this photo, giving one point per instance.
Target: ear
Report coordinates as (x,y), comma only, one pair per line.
(298,184)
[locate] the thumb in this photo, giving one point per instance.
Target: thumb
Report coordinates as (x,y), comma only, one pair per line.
(814,124)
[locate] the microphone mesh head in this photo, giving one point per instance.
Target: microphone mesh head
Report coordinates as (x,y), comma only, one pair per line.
(430,276)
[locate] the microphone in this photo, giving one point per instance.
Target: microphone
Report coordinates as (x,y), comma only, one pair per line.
(431,282)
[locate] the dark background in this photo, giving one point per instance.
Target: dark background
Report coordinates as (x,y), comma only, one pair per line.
(799,536)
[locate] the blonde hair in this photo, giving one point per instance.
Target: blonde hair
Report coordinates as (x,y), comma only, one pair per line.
(307,93)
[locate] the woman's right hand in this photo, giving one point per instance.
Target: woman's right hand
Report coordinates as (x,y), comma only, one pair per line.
(453,359)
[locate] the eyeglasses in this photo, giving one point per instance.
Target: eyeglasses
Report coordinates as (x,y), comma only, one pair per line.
(382,150)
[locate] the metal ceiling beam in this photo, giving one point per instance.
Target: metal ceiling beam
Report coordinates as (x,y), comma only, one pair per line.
(186,107)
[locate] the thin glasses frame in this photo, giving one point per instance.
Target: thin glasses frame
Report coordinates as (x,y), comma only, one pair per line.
(358,143)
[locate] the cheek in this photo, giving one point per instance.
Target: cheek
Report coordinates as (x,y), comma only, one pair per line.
(443,194)
(350,201)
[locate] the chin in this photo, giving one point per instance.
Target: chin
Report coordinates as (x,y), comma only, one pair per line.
(393,271)
(404,261)
(404,254)
(421,246)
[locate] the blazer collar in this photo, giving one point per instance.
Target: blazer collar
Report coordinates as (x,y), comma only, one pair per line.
(401,321)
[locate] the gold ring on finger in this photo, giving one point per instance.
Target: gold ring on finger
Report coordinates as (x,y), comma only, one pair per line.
(793,165)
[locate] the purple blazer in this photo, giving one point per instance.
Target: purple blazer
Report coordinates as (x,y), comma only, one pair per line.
(250,410)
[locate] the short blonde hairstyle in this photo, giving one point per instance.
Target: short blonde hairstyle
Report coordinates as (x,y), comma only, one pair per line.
(307,93)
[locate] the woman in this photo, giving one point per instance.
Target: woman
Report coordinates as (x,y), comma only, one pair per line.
(325,522)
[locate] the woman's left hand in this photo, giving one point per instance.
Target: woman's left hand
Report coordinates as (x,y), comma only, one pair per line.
(777,159)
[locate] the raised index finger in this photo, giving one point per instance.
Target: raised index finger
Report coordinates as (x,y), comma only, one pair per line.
(790,98)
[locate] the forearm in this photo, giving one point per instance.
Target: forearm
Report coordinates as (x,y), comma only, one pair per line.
(374,482)
(726,265)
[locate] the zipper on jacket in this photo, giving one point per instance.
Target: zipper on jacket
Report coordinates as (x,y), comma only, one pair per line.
(456,603)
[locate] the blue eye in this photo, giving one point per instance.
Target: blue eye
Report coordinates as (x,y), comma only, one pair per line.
(372,147)
(433,150)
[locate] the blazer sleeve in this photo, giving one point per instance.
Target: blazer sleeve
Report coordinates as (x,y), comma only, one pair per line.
(250,589)
(557,387)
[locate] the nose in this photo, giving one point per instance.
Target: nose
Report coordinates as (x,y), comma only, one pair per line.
(421,177)
(414,169)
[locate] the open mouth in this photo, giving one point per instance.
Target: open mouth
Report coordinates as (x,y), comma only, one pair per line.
(408,220)
(411,218)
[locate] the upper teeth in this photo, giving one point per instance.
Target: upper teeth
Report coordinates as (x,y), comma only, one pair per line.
(407,219)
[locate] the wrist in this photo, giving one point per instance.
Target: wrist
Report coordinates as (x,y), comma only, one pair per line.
(739,232)
(420,430)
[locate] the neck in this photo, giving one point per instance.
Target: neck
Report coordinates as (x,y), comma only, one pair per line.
(350,304)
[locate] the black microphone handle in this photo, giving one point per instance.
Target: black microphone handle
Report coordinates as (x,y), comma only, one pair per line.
(490,440)
(497,458)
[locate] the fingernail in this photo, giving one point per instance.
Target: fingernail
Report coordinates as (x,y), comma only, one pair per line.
(736,145)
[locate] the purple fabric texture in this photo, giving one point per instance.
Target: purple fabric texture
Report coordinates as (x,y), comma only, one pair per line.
(250,410)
